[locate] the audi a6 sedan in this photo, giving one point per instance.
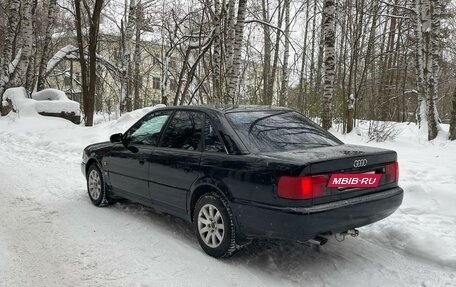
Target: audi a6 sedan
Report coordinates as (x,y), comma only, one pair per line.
(243,172)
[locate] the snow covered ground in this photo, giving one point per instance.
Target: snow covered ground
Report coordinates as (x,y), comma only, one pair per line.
(51,235)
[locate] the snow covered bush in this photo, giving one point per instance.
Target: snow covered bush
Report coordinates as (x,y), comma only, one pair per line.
(381,131)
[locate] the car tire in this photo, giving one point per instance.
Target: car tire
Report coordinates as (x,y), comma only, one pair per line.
(214,226)
(96,187)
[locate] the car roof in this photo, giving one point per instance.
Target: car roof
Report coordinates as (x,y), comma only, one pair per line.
(224,109)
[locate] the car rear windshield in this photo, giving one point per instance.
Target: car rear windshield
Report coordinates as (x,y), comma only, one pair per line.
(274,131)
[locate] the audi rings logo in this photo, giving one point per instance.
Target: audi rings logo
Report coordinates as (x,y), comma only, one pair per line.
(360,162)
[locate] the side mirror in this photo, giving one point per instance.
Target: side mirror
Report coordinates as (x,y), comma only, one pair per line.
(115,138)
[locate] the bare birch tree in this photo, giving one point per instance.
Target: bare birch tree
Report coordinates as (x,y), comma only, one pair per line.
(7,61)
(139,18)
(236,53)
(428,58)
(21,76)
(127,29)
(435,56)
(52,7)
(329,62)
(283,96)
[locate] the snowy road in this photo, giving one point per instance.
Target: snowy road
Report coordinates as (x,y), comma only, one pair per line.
(51,235)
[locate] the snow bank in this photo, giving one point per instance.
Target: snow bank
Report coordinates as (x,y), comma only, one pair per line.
(58,135)
(45,101)
(424,226)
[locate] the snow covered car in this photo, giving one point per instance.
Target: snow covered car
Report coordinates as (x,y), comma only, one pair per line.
(243,172)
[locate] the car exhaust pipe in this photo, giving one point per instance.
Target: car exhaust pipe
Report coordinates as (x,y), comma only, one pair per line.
(341,236)
(318,240)
(352,232)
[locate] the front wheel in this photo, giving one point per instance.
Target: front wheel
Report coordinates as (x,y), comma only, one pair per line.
(96,187)
(214,227)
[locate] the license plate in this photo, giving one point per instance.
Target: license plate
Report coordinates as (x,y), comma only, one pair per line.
(355,180)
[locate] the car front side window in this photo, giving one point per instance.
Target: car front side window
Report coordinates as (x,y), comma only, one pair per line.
(148,131)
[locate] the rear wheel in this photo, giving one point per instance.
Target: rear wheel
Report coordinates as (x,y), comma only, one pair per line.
(214,227)
(96,187)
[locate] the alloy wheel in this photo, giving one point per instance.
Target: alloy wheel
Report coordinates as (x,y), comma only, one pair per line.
(210,225)
(94,184)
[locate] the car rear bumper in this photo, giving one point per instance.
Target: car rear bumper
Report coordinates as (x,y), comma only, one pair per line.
(303,223)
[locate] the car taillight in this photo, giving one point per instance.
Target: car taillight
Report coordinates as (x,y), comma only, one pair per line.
(304,187)
(391,172)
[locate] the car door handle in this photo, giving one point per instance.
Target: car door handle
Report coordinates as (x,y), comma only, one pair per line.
(141,162)
(187,169)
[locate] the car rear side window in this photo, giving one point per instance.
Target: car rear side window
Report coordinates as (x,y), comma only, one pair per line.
(212,141)
(276,130)
(183,131)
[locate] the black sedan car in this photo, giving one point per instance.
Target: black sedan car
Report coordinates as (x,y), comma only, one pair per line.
(243,172)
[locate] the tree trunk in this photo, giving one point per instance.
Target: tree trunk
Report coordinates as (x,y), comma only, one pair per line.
(137,56)
(267,53)
(13,20)
(355,55)
(30,73)
(341,73)
(26,40)
(312,50)
(452,133)
(283,97)
(230,34)
(421,114)
(93,41)
(217,53)
(321,45)
(237,48)
(433,116)
(329,62)
(302,97)
(82,63)
(426,23)
(88,70)
(127,32)
(46,45)
(385,85)
(275,61)
(181,76)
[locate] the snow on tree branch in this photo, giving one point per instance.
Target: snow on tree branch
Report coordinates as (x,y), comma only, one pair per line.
(59,56)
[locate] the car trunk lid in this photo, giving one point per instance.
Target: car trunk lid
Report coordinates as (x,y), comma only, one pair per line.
(341,159)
